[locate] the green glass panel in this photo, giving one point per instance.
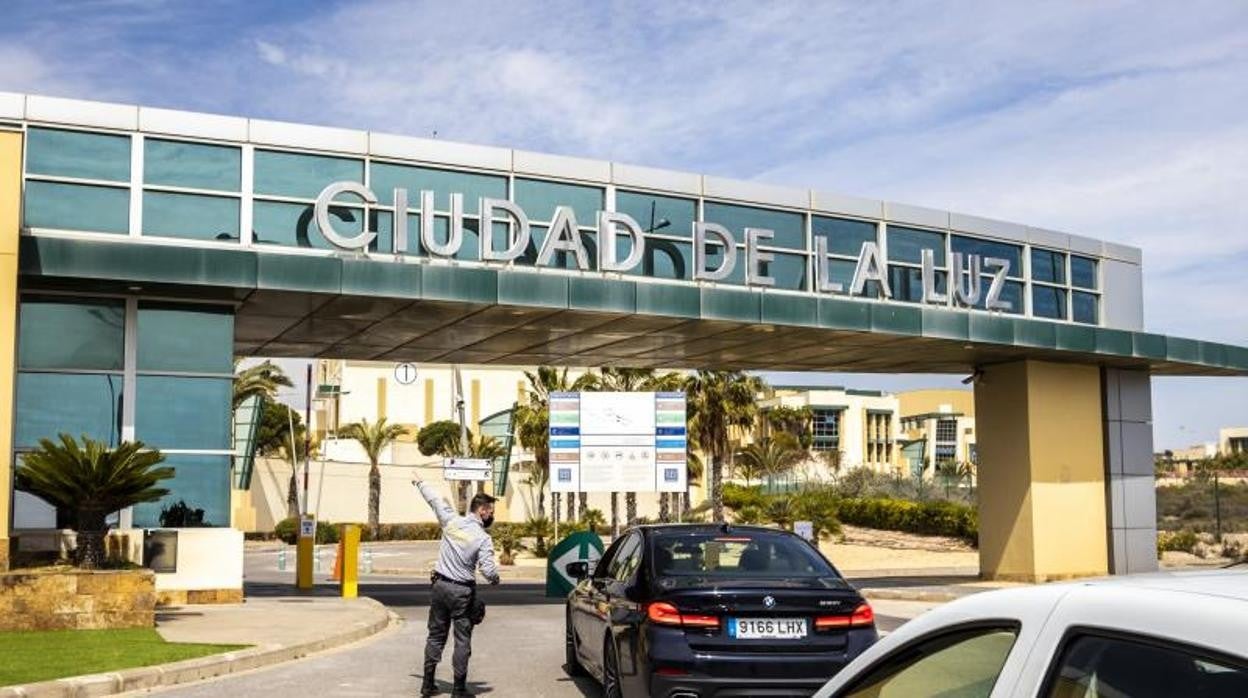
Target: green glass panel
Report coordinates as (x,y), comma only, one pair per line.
(71,334)
(199,494)
(907,245)
(906,283)
(665,215)
(987,248)
(789,271)
(539,199)
(731,304)
(183,413)
(789,227)
(1082,272)
(1083,308)
(1048,302)
(386,177)
(192,165)
(190,216)
(191,338)
(845,237)
(1047,265)
(77,404)
(291,225)
(77,207)
(304,176)
(78,154)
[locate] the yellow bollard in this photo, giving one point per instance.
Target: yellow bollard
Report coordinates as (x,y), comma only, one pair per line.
(304,550)
(350,561)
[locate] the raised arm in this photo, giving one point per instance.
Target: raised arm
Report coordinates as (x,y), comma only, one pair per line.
(441,508)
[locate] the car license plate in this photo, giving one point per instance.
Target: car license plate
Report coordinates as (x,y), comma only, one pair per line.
(767,628)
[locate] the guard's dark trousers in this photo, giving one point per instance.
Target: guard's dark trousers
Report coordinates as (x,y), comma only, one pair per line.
(449,608)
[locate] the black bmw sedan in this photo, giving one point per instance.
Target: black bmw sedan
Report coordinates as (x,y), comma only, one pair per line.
(702,611)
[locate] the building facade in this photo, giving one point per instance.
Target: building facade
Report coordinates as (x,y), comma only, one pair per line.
(161,233)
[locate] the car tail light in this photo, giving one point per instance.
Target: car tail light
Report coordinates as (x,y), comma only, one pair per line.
(862,617)
(663,613)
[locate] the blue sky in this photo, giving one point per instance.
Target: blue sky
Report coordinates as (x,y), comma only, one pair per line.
(1118,120)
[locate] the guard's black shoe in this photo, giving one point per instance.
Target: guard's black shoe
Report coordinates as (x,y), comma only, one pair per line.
(429,686)
(461,688)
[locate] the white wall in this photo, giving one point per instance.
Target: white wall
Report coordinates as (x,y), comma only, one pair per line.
(208,558)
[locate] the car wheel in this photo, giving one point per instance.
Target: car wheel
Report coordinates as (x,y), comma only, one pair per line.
(571,663)
(611,687)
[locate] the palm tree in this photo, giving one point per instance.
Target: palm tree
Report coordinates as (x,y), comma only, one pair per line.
(93,481)
(718,402)
(481,446)
(532,421)
(373,437)
(769,456)
(694,472)
(263,379)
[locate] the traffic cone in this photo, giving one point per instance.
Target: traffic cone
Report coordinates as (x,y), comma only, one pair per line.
(336,576)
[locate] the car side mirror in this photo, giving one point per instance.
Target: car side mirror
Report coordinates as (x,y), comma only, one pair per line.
(577,570)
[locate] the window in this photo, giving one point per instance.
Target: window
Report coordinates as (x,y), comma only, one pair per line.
(662,259)
(907,245)
(626,559)
(76,207)
(964,664)
(659,215)
(539,199)
(1048,266)
(1084,307)
(906,283)
(826,427)
(1093,666)
(789,227)
(302,176)
(78,154)
(385,177)
(192,165)
(190,216)
(845,237)
(77,404)
(199,494)
(291,225)
(1083,272)
(739,554)
(1048,302)
(173,412)
(64,333)
(987,248)
(947,430)
(185,338)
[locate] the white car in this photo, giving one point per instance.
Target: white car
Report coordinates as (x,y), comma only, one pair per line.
(1176,635)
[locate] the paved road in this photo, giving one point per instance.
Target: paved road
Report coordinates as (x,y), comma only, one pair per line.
(518,652)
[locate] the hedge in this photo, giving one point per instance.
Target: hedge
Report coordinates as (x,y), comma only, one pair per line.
(287,531)
(933,518)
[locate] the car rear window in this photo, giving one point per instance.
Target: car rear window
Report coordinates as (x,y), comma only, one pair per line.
(737,554)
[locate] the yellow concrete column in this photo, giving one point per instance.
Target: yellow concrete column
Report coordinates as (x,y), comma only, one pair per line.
(476,403)
(428,401)
(1041,472)
(381,398)
(10,220)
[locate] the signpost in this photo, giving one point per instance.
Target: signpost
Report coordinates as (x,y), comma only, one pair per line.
(618,442)
(581,546)
(474,469)
(303,552)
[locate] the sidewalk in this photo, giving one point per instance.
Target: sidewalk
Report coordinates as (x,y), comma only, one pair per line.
(937,585)
(278,629)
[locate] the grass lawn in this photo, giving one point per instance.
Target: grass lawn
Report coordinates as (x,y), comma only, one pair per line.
(54,654)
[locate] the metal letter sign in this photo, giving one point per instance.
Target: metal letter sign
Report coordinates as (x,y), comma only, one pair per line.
(713,245)
(405,373)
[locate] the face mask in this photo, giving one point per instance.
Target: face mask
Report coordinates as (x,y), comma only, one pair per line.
(487,521)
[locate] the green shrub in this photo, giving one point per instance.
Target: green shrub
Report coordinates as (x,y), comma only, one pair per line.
(287,531)
(738,496)
(1176,541)
(933,518)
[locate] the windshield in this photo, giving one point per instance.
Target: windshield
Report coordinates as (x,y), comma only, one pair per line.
(760,554)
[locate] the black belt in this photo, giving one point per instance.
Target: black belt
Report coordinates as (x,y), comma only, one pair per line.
(443,578)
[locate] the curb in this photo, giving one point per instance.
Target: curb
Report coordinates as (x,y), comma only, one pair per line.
(913,595)
(141,678)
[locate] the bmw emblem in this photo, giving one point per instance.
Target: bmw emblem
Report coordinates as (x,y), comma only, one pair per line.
(769,601)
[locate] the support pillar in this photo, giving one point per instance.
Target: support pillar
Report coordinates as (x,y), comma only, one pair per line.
(1042,476)
(1132,488)
(10,220)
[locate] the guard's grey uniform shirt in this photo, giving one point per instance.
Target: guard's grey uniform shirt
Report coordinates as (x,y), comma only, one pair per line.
(465,544)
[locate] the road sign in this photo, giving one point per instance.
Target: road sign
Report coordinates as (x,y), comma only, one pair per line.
(805,529)
(405,373)
(580,546)
(477,469)
(307,527)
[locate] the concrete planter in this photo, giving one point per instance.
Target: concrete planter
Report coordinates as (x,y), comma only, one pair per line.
(67,599)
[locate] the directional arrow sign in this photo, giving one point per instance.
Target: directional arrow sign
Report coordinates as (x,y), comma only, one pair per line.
(580,546)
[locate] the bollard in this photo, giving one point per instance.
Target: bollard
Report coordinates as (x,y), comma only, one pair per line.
(349,558)
(281,560)
(368,562)
(304,554)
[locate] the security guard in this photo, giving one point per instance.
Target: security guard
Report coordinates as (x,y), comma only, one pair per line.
(465,547)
